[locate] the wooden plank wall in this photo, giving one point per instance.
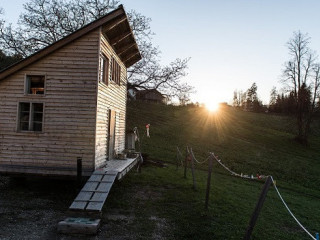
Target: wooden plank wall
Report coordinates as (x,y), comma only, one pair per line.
(114,97)
(69,112)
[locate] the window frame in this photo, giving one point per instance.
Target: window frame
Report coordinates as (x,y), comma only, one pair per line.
(104,73)
(115,71)
(31,117)
(26,84)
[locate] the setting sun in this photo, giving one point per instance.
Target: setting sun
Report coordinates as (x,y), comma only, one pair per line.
(212,106)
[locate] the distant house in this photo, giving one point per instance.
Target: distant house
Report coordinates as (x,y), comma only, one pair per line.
(150,95)
(68,101)
(131,92)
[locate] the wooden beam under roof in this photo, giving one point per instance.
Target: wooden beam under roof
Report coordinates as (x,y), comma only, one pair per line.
(125,48)
(132,60)
(115,22)
(129,55)
(119,38)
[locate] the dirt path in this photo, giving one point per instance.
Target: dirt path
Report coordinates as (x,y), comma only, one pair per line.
(31,209)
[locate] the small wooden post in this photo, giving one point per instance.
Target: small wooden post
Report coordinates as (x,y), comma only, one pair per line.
(258,208)
(140,163)
(186,163)
(79,171)
(192,169)
(210,164)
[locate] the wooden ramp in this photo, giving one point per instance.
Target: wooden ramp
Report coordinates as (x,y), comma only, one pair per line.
(95,192)
(93,195)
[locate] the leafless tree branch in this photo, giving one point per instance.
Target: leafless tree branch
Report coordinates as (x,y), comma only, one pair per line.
(46,21)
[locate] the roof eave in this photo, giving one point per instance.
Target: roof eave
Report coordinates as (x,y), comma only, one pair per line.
(117,13)
(123,43)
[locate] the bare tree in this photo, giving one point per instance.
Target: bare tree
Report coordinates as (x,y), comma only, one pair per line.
(236,100)
(251,96)
(248,100)
(46,21)
(301,76)
(184,99)
(1,20)
(239,98)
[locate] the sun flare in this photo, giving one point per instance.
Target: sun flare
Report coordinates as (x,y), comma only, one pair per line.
(212,106)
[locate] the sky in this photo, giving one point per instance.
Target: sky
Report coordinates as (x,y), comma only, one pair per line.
(231,44)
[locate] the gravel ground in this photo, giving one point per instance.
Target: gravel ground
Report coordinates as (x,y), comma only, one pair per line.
(31,209)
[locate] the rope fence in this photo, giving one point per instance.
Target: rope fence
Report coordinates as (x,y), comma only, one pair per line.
(199,162)
(212,156)
(285,204)
(258,177)
(179,160)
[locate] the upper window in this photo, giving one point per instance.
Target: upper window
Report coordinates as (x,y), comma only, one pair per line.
(35,84)
(115,71)
(104,69)
(30,116)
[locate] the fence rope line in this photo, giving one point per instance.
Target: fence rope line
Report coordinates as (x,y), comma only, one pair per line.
(199,162)
(191,152)
(274,184)
(284,203)
(179,152)
(237,174)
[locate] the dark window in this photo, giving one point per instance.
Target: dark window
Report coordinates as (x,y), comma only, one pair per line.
(30,116)
(104,69)
(115,71)
(24,116)
(35,84)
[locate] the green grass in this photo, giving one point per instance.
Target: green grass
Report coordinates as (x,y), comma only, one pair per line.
(247,142)
(164,203)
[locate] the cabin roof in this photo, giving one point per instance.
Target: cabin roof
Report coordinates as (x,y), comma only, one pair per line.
(115,27)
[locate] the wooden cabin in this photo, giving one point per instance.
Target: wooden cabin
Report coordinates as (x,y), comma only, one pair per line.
(68,101)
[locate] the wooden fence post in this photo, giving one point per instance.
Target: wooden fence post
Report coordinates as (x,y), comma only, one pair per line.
(186,162)
(210,163)
(192,169)
(258,208)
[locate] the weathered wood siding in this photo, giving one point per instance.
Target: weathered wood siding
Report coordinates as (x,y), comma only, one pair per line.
(69,112)
(111,96)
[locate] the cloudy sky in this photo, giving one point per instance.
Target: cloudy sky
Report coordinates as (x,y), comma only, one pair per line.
(231,43)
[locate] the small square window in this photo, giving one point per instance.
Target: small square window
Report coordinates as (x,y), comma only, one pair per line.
(30,117)
(35,84)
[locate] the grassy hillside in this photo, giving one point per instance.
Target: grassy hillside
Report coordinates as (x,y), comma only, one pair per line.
(246,142)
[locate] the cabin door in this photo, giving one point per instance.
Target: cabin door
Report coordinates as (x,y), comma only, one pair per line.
(111,136)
